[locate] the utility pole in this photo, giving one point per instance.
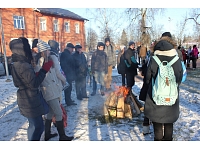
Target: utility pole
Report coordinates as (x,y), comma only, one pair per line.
(4,48)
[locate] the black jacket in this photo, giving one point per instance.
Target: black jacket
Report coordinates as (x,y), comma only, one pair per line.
(67,65)
(133,66)
(99,61)
(162,114)
(121,66)
(80,65)
(25,79)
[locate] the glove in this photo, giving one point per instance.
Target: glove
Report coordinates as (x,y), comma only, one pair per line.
(113,67)
(47,65)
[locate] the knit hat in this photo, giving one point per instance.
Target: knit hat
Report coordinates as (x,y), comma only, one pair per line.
(131,43)
(100,44)
(107,39)
(34,44)
(70,45)
(43,46)
(17,47)
(167,34)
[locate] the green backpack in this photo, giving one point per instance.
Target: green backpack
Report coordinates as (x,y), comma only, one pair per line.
(164,89)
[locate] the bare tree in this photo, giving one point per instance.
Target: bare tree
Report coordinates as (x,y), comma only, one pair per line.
(143,17)
(124,39)
(92,38)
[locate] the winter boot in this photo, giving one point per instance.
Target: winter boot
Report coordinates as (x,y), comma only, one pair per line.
(146,130)
(47,130)
(61,132)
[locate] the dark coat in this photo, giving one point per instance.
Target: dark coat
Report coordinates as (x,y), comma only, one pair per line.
(80,64)
(25,79)
(121,66)
(99,61)
(67,65)
(133,68)
(162,114)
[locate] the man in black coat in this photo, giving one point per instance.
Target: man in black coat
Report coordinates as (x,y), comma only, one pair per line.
(67,65)
(132,64)
(80,64)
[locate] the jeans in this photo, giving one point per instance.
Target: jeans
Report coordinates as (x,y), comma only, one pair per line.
(80,85)
(130,79)
(194,62)
(99,77)
(123,79)
(94,87)
(35,128)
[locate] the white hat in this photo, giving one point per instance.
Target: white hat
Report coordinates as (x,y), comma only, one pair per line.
(43,46)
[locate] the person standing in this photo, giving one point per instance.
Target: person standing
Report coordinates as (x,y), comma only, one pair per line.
(131,65)
(162,116)
(121,66)
(183,54)
(189,56)
(99,66)
(28,82)
(67,65)
(51,88)
(111,56)
(194,54)
(143,53)
(80,65)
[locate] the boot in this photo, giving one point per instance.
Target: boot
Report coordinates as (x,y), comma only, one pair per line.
(61,132)
(47,130)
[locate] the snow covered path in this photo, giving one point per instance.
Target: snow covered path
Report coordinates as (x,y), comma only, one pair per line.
(84,120)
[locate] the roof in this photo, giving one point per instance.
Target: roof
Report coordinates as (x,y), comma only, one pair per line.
(61,12)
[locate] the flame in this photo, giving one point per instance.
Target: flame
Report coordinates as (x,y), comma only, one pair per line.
(122,91)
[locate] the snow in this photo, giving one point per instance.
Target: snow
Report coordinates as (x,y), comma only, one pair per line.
(84,119)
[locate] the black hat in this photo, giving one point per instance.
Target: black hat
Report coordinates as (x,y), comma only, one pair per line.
(78,46)
(100,44)
(131,43)
(107,39)
(167,34)
(53,44)
(70,45)
(34,44)
(163,46)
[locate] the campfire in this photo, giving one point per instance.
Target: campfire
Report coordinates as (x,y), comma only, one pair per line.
(122,103)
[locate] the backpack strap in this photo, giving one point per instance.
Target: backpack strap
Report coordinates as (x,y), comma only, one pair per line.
(173,60)
(157,59)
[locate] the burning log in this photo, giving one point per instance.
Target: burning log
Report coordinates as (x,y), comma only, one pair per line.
(122,103)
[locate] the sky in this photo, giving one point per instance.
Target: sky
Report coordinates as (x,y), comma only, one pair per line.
(175,15)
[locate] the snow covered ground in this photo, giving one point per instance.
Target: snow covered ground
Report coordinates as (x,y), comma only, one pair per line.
(85,122)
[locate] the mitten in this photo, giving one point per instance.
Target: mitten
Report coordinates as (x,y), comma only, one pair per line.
(47,65)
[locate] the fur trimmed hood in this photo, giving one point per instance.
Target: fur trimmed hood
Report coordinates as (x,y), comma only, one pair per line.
(165,43)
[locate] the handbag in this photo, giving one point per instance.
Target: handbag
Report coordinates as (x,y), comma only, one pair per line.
(44,104)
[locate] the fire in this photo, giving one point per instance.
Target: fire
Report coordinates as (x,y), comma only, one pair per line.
(122,91)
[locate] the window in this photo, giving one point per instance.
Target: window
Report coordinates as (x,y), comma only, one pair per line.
(77,43)
(19,22)
(67,27)
(77,28)
(55,24)
(43,24)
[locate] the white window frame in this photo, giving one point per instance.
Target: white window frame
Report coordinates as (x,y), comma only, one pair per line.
(78,43)
(77,28)
(55,25)
(43,24)
(68,31)
(19,22)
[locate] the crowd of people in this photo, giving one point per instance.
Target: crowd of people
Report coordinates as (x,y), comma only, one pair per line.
(43,70)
